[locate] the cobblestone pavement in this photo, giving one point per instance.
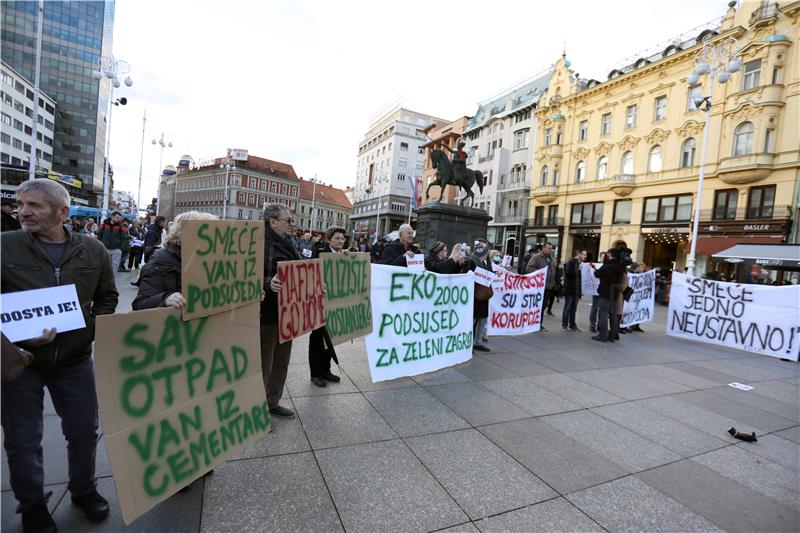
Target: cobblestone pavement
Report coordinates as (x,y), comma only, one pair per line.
(548,432)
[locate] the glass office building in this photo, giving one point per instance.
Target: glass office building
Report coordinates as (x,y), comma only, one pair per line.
(75,35)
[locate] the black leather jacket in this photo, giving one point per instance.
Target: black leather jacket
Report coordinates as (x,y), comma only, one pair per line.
(159,278)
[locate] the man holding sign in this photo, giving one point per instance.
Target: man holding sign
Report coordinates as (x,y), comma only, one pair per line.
(275,355)
(42,255)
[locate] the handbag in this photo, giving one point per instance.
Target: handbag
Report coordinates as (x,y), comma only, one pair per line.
(14,360)
(483,293)
(626,294)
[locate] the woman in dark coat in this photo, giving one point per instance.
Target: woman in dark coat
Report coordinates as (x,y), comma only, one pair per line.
(160,278)
(436,259)
(480,308)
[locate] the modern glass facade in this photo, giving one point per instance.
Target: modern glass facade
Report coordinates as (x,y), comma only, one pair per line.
(75,35)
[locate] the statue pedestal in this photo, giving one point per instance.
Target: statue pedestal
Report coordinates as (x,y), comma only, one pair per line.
(450,224)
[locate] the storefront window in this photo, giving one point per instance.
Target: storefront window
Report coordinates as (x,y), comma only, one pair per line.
(760,202)
(622,211)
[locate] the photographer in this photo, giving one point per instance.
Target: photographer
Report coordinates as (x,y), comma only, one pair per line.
(437,261)
(608,293)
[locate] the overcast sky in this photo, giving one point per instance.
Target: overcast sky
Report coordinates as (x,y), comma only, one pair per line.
(299,81)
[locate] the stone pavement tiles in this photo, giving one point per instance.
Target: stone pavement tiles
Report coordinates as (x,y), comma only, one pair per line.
(548,432)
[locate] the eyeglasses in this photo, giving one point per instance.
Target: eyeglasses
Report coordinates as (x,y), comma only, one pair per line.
(289,220)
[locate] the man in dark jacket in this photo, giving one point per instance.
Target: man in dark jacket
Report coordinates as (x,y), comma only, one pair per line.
(395,254)
(114,236)
(610,276)
(152,237)
(44,254)
(275,356)
(480,309)
(539,260)
(572,290)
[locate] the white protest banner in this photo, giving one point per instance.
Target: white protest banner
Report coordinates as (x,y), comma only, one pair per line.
(507,260)
(516,306)
(26,313)
(416,263)
(639,307)
(422,322)
(484,277)
(755,318)
(589,282)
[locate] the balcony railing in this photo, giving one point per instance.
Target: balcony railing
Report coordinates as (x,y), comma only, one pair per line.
(512,218)
(544,222)
(777,212)
(764,13)
(508,183)
(628,179)
(484,158)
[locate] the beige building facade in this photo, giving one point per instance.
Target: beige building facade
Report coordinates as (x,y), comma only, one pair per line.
(619,160)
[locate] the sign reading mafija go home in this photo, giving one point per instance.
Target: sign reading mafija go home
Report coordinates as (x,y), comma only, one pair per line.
(422,321)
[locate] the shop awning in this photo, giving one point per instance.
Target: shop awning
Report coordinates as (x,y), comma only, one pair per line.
(711,245)
(771,255)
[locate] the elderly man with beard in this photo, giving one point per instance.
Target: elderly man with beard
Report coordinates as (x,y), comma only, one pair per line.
(45,254)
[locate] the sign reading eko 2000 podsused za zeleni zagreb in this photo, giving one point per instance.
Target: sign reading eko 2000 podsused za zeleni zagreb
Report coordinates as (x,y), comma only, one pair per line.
(176,397)
(222,265)
(422,321)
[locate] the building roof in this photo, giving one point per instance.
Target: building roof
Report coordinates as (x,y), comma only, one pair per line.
(523,95)
(275,168)
(323,194)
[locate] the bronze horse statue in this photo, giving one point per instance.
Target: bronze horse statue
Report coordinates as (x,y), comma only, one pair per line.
(444,177)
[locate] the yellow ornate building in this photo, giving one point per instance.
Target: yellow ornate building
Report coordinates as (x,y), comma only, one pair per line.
(619,160)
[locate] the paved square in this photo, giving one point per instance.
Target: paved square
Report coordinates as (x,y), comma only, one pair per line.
(548,432)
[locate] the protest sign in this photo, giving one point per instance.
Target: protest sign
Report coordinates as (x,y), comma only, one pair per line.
(176,398)
(301,303)
(484,277)
(222,265)
(639,307)
(423,321)
(26,313)
(348,312)
(589,282)
(516,306)
(754,318)
(507,260)
(416,263)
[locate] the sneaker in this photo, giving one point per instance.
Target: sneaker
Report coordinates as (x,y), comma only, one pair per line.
(550,313)
(281,412)
(123,270)
(575,328)
(318,381)
(37,519)
(94,506)
(481,348)
(593,329)
(599,338)
(542,328)
(331,377)
(564,327)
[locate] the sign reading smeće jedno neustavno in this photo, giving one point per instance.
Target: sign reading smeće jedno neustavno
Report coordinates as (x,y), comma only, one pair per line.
(177,397)
(422,321)
(222,265)
(755,318)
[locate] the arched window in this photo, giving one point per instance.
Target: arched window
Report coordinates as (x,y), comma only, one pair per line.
(655,162)
(543,177)
(602,168)
(743,139)
(687,152)
(580,171)
(627,163)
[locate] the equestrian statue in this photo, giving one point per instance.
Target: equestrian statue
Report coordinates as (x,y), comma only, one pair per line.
(454,173)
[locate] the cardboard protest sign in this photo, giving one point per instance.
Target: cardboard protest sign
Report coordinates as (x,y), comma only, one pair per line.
(589,282)
(507,260)
(516,306)
(416,263)
(222,265)
(301,303)
(755,318)
(176,398)
(348,311)
(640,306)
(26,313)
(423,322)
(484,277)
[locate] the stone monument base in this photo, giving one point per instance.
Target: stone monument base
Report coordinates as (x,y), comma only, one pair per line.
(450,224)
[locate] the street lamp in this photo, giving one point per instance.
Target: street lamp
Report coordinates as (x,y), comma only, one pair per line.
(112,69)
(379,180)
(314,181)
(161,142)
(718,61)
(228,165)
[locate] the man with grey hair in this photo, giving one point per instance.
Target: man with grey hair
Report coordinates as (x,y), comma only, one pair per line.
(45,254)
(395,254)
(274,355)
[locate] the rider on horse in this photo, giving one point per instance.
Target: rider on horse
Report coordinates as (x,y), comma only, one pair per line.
(459,162)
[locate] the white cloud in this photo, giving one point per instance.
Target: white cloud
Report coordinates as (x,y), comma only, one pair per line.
(298,81)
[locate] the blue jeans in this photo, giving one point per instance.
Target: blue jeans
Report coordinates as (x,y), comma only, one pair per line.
(570,307)
(593,312)
(73,392)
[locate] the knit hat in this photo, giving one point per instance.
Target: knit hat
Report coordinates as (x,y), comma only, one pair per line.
(481,248)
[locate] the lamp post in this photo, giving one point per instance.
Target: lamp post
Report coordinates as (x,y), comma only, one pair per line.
(141,164)
(313,198)
(228,165)
(112,69)
(718,61)
(379,180)
(32,160)
(161,142)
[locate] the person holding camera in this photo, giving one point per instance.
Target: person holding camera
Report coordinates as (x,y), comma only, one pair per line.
(437,261)
(611,276)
